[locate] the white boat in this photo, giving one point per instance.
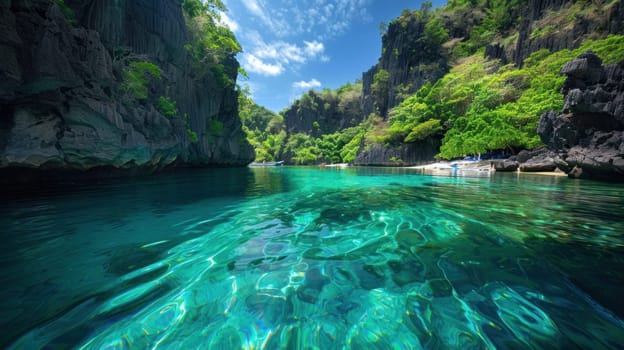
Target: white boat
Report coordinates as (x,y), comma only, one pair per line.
(462,168)
(338,165)
(281,162)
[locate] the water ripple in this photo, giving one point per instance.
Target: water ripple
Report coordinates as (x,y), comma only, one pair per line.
(358,260)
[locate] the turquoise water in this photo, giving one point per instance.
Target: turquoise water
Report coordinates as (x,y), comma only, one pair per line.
(310,258)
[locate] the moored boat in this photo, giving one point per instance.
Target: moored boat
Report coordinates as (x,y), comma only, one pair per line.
(281,162)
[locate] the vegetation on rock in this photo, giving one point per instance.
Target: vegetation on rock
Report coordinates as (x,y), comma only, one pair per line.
(212,43)
(167,106)
(136,77)
(440,77)
(483,106)
(322,127)
(264,129)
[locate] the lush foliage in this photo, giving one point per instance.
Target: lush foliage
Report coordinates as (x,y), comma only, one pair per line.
(480,105)
(485,22)
(339,147)
(167,106)
(136,77)
(379,88)
(192,135)
(194,8)
(490,22)
(303,148)
(481,111)
(267,133)
(349,96)
(435,35)
(264,129)
(424,130)
(214,128)
(212,43)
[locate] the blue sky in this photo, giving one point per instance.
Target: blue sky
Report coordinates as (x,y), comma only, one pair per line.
(290,47)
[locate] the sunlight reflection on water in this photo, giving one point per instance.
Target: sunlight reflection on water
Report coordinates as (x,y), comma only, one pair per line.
(306,257)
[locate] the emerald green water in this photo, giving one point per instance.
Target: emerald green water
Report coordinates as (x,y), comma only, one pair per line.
(310,258)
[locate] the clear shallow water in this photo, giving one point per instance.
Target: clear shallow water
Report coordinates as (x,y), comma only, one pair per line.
(305,258)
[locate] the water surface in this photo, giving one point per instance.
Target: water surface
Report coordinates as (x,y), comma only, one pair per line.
(309,258)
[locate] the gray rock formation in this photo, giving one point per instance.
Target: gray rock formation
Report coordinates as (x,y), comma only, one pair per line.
(535,34)
(60,102)
(505,165)
(410,61)
(411,64)
(589,133)
(541,161)
(414,153)
(318,114)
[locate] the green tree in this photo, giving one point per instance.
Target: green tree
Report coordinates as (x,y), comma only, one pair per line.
(303,148)
(379,89)
(425,8)
(211,43)
(434,36)
(136,77)
(424,130)
(167,106)
(264,129)
(480,107)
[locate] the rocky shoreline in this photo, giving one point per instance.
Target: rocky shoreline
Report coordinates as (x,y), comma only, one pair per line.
(586,139)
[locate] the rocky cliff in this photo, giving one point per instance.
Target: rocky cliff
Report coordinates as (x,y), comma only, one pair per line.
(413,52)
(61,105)
(562,24)
(413,153)
(586,139)
(323,113)
(411,56)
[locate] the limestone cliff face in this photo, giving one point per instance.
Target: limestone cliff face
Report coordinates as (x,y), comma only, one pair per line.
(588,135)
(562,24)
(318,114)
(60,102)
(413,153)
(542,24)
(410,62)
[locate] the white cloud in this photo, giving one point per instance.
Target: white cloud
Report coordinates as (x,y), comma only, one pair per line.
(313,48)
(254,64)
(284,18)
(255,8)
(281,51)
(227,21)
(272,58)
(277,21)
(305,85)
